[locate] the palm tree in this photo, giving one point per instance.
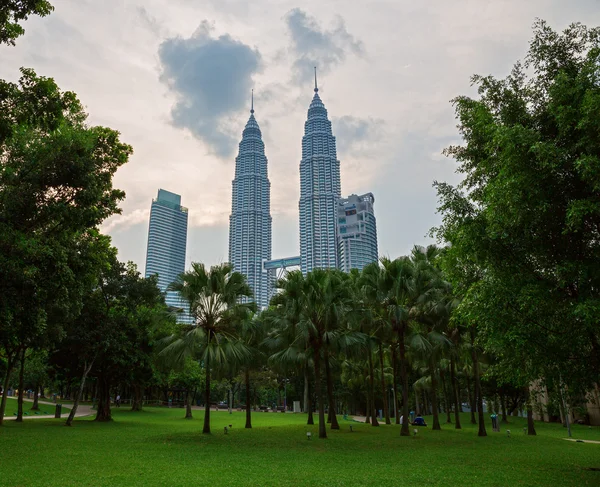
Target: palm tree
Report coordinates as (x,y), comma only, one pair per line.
(369,292)
(396,287)
(319,302)
(251,334)
(290,346)
(215,303)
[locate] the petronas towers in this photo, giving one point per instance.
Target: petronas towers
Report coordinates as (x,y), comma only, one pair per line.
(334,232)
(319,190)
(250,220)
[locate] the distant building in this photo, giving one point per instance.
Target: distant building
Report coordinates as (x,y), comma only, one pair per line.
(250,220)
(320,189)
(167,238)
(357,232)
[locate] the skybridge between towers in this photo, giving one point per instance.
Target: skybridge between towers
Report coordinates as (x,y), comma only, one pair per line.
(281,265)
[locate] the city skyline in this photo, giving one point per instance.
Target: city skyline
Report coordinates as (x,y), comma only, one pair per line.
(174,80)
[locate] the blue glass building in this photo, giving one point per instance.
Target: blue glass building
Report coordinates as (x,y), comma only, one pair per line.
(320,189)
(250,220)
(167,238)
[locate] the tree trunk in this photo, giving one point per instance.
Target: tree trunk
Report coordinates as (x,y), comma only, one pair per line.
(188,405)
(248,407)
(368,413)
(530,424)
(472,398)
(503,406)
(21,386)
(103,412)
(404,377)
(386,409)
(206,427)
(306,390)
(455,393)
(332,416)
(395,389)
(36,403)
(310,419)
(136,403)
(447,406)
(434,404)
(374,421)
(480,417)
(319,393)
(86,371)
(9,368)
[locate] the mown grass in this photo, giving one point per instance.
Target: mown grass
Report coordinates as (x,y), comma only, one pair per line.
(12,408)
(157,447)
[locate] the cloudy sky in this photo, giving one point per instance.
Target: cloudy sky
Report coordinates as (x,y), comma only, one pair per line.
(174,77)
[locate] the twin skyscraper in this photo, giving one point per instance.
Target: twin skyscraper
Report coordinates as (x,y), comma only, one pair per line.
(335,232)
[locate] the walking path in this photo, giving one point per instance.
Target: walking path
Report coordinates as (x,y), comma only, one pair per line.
(582,441)
(82,410)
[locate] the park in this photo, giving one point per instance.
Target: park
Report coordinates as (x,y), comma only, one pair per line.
(471,357)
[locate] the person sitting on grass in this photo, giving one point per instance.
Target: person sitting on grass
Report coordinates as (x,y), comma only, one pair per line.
(419,421)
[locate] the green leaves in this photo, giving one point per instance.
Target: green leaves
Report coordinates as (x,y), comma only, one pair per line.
(523,226)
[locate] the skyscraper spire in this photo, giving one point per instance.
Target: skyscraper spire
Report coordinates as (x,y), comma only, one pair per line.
(252,102)
(316,87)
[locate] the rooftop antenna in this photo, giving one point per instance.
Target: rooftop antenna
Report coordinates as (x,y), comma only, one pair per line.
(316,88)
(252,102)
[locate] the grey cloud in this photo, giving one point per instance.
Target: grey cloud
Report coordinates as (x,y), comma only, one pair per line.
(149,21)
(312,45)
(211,78)
(354,134)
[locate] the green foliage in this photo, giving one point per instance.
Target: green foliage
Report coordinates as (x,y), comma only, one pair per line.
(12,12)
(524,223)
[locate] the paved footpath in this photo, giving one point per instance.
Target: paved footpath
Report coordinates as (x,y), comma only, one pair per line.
(82,410)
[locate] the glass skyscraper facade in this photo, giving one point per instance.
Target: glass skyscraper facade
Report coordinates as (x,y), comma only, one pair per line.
(167,238)
(250,220)
(320,189)
(357,231)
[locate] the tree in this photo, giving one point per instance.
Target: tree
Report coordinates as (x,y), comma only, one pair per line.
(290,347)
(527,214)
(398,297)
(55,187)
(12,12)
(214,299)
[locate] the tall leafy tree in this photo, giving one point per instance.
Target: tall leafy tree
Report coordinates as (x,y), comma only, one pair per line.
(527,213)
(55,187)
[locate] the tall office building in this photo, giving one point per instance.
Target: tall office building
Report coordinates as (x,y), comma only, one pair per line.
(250,220)
(167,238)
(357,232)
(319,190)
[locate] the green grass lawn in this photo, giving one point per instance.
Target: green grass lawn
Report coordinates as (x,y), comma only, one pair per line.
(11,407)
(157,447)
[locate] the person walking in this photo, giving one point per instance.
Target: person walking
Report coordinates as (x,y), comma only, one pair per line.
(118,401)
